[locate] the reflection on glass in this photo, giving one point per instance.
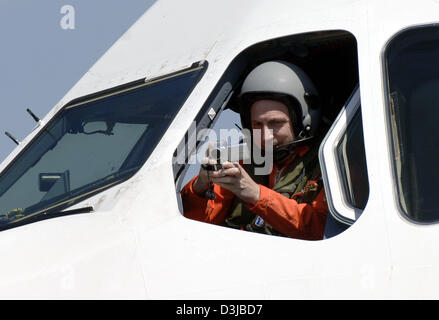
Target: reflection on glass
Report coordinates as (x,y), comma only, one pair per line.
(90,146)
(412,70)
(350,152)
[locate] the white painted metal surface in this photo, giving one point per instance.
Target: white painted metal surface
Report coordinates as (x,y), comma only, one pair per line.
(138,245)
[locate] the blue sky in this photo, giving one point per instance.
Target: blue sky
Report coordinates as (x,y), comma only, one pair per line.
(41,59)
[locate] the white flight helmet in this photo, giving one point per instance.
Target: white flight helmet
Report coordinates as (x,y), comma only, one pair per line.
(280,80)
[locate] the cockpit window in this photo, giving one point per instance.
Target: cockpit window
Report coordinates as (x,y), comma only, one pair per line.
(412,71)
(90,145)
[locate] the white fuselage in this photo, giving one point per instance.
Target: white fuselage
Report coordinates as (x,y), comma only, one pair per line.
(137,244)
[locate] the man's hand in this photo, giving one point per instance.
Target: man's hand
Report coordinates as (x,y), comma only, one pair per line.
(234,178)
(201,185)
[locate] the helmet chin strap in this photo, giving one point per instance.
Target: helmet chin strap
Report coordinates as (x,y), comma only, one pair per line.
(282,151)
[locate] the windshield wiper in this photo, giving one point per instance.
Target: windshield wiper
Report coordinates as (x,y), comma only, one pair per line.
(43,215)
(69,212)
(48,214)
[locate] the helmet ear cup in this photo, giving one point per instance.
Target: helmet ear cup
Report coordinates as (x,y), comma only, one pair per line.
(314,106)
(312,100)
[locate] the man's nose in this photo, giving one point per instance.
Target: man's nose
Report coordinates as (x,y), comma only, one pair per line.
(266,135)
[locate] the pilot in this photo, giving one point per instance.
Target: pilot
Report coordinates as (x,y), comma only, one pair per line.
(278,99)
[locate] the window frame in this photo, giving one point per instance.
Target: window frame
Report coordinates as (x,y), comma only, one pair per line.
(389,123)
(225,91)
(56,209)
(335,187)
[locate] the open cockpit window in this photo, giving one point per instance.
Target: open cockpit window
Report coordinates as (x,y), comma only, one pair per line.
(352,163)
(92,144)
(412,92)
(329,58)
(343,162)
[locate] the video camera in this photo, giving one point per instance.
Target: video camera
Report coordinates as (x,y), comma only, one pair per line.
(222,153)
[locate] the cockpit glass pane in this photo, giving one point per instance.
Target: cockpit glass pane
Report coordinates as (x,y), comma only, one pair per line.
(412,70)
(91,145)
(352,163)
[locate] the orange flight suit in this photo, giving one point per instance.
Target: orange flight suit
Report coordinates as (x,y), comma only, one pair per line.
(287,216)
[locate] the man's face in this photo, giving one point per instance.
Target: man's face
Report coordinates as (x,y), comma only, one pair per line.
(272,115)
